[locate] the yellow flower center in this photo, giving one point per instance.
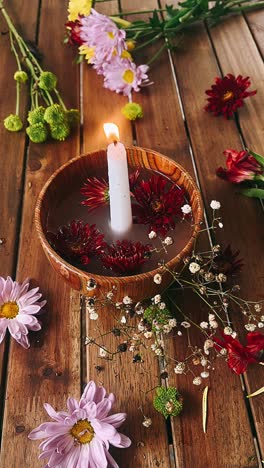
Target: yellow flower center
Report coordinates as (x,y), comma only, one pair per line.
(156,205)
(130,45)
(111,35)
(228,95)
(9,310)
(128,76)
(126,55)
(82,431)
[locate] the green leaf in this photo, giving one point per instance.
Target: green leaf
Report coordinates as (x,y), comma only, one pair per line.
(257,156)
(253,193)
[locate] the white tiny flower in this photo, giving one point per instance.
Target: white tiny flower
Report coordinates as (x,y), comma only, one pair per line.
(186,209)
(204,325)
(250,327)
(216,248)
(127,300)
(208,344)
(223,352)
(157,278)
(194,267)
(109,295)
(203,362)
(215,205)
(185,324)
(102,352)
(147,422)
(118,305)
(258,308)
(180,368)
(260,324)
(228,331)
(168,241)
(88,340)
(166,329)
(179,333)
(158,352)
(221,225)
(157,298)
(204,374)
(211,317)
(148,334)
(197,381)
(139,309)
(153,346)
(234,335)
(152,235)
(141,327)
(213,324)
(123,319)
(172,322)
(90,309)
(94,316)
(221,278)
(131,348)
(162,306)
(262,318)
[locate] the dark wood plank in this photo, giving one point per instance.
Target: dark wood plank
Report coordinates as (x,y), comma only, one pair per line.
(50,370)
(255,20)
(12,145)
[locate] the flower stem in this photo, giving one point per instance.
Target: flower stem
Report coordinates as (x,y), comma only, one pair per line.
(17,97)
(150,41)
(139,12)
(14,50)
(158,54)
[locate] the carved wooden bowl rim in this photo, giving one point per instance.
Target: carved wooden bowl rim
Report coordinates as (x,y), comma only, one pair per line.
(139,277)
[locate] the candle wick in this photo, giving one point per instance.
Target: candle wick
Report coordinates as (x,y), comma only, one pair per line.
(115,142)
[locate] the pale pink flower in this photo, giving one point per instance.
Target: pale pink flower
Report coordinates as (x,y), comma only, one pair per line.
(18,305)
(80,437)
(101,32)
(123,76)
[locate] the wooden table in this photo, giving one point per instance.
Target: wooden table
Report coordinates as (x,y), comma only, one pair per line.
(58,364)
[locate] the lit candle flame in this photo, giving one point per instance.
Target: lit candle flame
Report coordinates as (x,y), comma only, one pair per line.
(111,132)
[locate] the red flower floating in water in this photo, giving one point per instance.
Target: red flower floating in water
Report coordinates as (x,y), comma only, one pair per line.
(227,262)
(125,257)
(158,204)
(227,95)
(239,356)
(77,241)
(240,165)
(96,190)
(73,33)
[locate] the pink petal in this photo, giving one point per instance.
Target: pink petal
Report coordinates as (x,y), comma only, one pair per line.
(52,413)
(103,408)
(88,393)
(110,459)
(123,443)
(103,430)
(31,309)
(115,419)
(72,404)
(97,454)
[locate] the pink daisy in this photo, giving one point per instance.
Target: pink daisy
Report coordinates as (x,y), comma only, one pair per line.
(123,76)
(99,31)
(18,305)
(80,438)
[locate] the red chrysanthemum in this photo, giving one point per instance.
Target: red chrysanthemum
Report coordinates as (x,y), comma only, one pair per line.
(227,262)
(227,94)
(96,190)
(239,356)
(77,241)
(125,257)
(158,204)
(73,33)
(240,165)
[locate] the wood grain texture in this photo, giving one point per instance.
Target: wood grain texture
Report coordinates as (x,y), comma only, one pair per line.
(12,146)
(255,20)
(50,370)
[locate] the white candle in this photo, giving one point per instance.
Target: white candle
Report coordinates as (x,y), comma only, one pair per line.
(119,191)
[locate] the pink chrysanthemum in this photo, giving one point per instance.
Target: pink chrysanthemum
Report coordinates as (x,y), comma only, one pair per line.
(99,31)
(18,305)
(228,94)
(80,438)
(123,76)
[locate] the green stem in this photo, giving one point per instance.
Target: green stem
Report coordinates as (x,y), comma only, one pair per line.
(150,41)
(157,55)
(60,99)
(14,51)
(17,97)
(139,12)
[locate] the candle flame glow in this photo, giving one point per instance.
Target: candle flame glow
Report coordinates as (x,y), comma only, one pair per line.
(111,132)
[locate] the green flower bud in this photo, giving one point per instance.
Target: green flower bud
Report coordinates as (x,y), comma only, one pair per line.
(21,76)
(37,115)
(47,81)
(168,401)
(54,115)
(132,111)
(38,132)
(73,117)
(13,123)
(153,312)
(61,132)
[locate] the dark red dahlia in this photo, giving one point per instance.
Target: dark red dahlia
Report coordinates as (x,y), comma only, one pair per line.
(240,165)
(227,94)
(96,190)
(158,204)
(73,33)
(227,262)
(239,356)
(125,257)
(77,241)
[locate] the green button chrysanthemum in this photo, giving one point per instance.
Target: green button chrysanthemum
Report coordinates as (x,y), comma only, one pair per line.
(60,132)
(132,111)
(168,401)
(13,123)
(47,81)
(21,76)
(54,115)
(36,116)
(38,132)
(73,117)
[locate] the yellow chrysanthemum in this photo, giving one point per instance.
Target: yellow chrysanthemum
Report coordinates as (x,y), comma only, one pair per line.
(78,7)
(88,52)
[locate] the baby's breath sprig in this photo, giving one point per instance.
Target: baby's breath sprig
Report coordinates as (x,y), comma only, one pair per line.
(50,120)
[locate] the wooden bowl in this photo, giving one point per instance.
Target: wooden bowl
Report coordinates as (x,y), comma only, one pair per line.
(137,286)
